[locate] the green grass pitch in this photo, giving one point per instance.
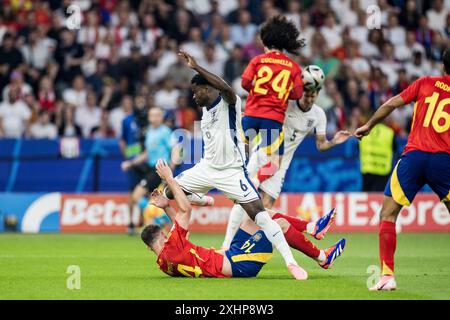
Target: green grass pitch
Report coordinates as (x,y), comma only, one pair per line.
(119,267)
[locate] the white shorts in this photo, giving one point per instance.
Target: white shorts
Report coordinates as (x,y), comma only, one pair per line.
(233,182)
(272,186)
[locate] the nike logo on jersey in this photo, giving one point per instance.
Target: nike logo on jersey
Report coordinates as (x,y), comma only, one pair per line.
(275,233)
(245,195)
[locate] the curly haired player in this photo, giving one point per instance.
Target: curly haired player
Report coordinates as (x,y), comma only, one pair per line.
(271,79)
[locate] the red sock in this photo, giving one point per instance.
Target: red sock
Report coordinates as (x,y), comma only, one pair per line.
(297,223)
(297,240)
(388,242)
(266,171)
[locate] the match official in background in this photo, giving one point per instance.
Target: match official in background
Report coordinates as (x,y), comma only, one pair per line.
(376,152)
(131,146)
(159,144)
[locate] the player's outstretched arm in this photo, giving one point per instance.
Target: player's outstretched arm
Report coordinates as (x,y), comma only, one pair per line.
(323,144)
(184,207)
(217,82)
(379,115)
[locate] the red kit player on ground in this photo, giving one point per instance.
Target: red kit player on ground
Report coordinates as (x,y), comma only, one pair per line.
(249,250)
(425,159)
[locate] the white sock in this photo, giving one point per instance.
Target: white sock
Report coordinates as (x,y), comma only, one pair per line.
(234,221)
(310,227)
(197,199)
(275,235)
(321,257)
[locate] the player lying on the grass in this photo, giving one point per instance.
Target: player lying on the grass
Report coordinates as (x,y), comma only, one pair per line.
(249,251)
(223,163)
(302,116)
(425,158)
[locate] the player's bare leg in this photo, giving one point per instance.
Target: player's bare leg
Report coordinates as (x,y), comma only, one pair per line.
(267,200)
(257,213)
(387,244)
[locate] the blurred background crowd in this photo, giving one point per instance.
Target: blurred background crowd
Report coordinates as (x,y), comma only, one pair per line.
(56,82)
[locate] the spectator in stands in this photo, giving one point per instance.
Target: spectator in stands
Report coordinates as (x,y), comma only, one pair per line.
(214,59)
(195,43)
(88,116)
(150,32)
(76,95)
(10,57)
(437,15)
(68,127)
(418,66)
(18,82)
(331,31)
(359,64)
(14,115)
(180,74)
(256,47)
(242,33)
(404,52)
(165,55)
(183,22)
(118,114)
(43,128)
(234,66)
(46,95)
(38,50)
(69,56)
(166,97)
(104,129)
(409,16)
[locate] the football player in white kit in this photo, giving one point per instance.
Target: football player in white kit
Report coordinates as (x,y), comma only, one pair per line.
(223,163)
(302,116)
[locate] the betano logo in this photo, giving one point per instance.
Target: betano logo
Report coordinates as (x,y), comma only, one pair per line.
(107,213)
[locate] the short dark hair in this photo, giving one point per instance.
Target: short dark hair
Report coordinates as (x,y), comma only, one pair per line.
(198,80)
(446,60)
(280,33)
(150,233)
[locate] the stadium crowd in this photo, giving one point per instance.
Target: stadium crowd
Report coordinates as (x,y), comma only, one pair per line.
(58,82)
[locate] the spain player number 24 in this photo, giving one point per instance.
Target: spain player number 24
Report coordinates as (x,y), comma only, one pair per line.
(438,115)
(279,83)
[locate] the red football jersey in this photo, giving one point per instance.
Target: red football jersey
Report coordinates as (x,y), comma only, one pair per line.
(181,258)
(431,120)
(271,79)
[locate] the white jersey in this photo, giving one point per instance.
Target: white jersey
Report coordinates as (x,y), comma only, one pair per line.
(222,135)
(297,125)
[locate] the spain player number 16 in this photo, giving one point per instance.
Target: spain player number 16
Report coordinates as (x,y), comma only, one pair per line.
(438,115)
